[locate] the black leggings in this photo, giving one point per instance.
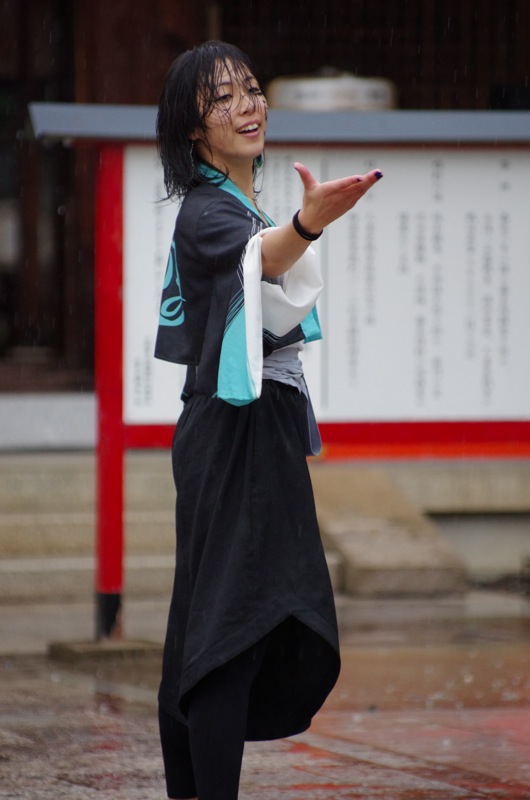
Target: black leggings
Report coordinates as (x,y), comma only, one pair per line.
(203,759)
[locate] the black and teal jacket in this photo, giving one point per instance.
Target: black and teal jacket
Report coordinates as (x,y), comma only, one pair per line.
(203,306)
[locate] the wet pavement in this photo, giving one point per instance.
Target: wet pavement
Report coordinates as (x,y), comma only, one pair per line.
(432,704)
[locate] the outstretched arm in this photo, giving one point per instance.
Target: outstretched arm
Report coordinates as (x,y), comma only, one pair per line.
(322,204)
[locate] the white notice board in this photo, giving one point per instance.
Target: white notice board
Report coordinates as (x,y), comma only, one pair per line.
(426,310)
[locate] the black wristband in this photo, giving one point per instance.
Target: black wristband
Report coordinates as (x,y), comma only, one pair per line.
(310,237)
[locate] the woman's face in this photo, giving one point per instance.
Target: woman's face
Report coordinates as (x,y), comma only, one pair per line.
(236,123)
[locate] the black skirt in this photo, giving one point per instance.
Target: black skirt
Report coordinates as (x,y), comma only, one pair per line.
(250,561)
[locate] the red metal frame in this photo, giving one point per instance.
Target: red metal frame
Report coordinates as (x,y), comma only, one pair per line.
(109,371)
(439,440)
(388,440)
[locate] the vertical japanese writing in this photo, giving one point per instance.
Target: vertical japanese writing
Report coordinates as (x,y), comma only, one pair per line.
(470,284)
(161,247)
(280,203)
(437,304)
(437,179)
(420,292)
(369,270)
(486,307)
(403,242)
(352,252)
(353,341)
(354,274)
(505,278)
(503,318)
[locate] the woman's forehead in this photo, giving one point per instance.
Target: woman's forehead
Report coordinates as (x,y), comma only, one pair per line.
(228,73)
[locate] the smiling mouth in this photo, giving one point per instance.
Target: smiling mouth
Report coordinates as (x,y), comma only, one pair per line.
(249,128)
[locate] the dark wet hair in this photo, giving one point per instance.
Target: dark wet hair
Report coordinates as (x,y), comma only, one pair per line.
(187,98)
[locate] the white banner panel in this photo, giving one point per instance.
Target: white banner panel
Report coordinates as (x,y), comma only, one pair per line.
(151,391)
(425,310)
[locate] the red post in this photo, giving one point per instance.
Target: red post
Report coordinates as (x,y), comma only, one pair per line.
(109,392)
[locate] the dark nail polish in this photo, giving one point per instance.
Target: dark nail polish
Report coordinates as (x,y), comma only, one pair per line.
(378,175)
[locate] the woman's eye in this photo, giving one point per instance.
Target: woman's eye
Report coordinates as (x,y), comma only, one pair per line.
(255,90)
(223,98)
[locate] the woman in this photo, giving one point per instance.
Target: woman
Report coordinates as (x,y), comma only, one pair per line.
(251,650)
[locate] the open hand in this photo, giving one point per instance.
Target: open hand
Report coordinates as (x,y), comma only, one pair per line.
(325,202)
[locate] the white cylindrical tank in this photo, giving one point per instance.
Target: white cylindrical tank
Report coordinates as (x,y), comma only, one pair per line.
(340,92)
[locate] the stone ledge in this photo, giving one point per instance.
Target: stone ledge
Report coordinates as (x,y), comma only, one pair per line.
(387,545)
(71,578)
(105,649)
(49,534)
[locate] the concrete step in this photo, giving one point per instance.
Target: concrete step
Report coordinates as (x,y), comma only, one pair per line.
(48,524)
(49,533)
(65,482)
(71,578)
(377,540)
(47,504)
(388,546)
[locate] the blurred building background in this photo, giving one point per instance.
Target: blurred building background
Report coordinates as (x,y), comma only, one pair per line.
(437,54)
(440,54)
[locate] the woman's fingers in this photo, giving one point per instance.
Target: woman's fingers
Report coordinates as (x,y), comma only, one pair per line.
(325,202)
(352,181)
(305,175)
(339,184)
